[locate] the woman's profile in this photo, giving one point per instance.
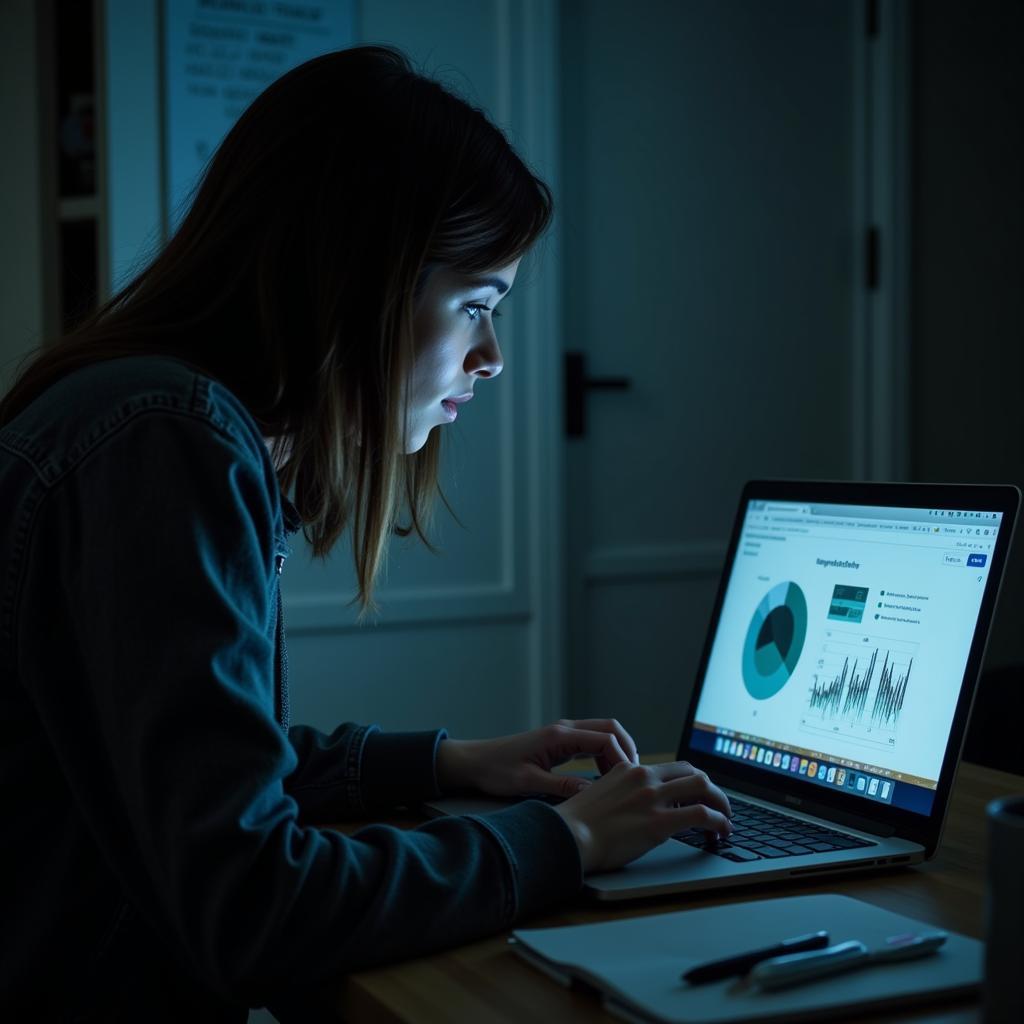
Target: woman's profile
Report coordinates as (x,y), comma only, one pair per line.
(289,361)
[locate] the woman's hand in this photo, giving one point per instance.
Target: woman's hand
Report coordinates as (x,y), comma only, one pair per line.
(634,808)
(514,765)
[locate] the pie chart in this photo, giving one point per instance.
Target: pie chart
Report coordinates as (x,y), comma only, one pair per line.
(774,640)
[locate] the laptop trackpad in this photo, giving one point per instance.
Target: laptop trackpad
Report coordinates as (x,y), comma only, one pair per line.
(670,862)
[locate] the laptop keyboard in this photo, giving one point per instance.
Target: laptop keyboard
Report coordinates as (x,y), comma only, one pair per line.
(758,833)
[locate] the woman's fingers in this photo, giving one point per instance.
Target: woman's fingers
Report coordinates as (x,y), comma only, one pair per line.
(687,798)
(679,783)
(674,770)
(697,816)
(695,788)
(608,725)
(568,741)
(634,807)
(674,784)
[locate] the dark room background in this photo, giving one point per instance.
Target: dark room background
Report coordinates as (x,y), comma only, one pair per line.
(716,165)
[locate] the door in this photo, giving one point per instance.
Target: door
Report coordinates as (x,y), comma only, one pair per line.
(711,257)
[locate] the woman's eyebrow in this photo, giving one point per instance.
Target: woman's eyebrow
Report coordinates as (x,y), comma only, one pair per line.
(497,283)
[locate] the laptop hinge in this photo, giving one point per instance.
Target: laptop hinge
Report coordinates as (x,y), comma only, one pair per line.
(875,828)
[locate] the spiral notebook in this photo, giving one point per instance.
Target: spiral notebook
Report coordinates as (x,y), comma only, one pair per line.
(634,965)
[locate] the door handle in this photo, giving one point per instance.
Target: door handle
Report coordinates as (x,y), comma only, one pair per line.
(577,383)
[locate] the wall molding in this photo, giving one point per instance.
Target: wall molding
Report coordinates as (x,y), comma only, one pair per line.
(334,612)
(880,381)
(535,118)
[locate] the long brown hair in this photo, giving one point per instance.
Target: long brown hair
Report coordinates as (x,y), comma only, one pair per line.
(294,275)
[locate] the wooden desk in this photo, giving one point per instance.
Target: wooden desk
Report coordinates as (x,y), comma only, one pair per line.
(485,982)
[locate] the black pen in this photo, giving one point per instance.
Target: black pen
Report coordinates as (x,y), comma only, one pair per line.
(742,962)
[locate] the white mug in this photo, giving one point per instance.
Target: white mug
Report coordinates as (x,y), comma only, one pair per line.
(1004,913)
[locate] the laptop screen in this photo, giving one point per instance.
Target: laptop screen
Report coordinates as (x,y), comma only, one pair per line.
(842,643)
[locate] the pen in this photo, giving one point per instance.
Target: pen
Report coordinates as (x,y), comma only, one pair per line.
(742,962)
(785,971)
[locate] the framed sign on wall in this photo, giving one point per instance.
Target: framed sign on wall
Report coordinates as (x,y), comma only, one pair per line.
(218,55)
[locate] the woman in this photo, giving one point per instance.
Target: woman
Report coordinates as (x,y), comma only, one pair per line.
(322,311)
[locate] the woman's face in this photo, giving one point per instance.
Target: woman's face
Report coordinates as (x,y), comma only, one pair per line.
(455,346)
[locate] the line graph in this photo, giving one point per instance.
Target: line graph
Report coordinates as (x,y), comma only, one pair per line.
(859,686)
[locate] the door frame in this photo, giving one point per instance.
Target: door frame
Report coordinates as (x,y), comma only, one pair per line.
(881,206)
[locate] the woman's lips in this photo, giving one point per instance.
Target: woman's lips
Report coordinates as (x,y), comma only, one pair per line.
(450,405)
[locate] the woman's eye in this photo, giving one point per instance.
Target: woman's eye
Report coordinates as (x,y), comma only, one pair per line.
(474,308)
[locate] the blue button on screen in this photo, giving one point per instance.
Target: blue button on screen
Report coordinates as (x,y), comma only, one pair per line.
(977,560)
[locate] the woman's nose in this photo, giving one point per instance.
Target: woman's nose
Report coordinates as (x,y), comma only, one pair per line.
(485,360)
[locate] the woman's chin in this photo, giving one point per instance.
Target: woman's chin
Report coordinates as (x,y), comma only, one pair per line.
(416,442)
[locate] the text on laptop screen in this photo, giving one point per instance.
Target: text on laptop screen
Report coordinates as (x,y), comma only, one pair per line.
(842,643)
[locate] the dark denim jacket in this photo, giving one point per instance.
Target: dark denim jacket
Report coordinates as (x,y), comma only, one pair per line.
(160,856)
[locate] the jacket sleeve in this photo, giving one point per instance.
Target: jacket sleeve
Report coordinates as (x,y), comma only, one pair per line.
(358,768)
(170,748)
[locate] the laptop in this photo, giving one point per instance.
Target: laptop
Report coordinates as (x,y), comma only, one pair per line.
(835,686)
